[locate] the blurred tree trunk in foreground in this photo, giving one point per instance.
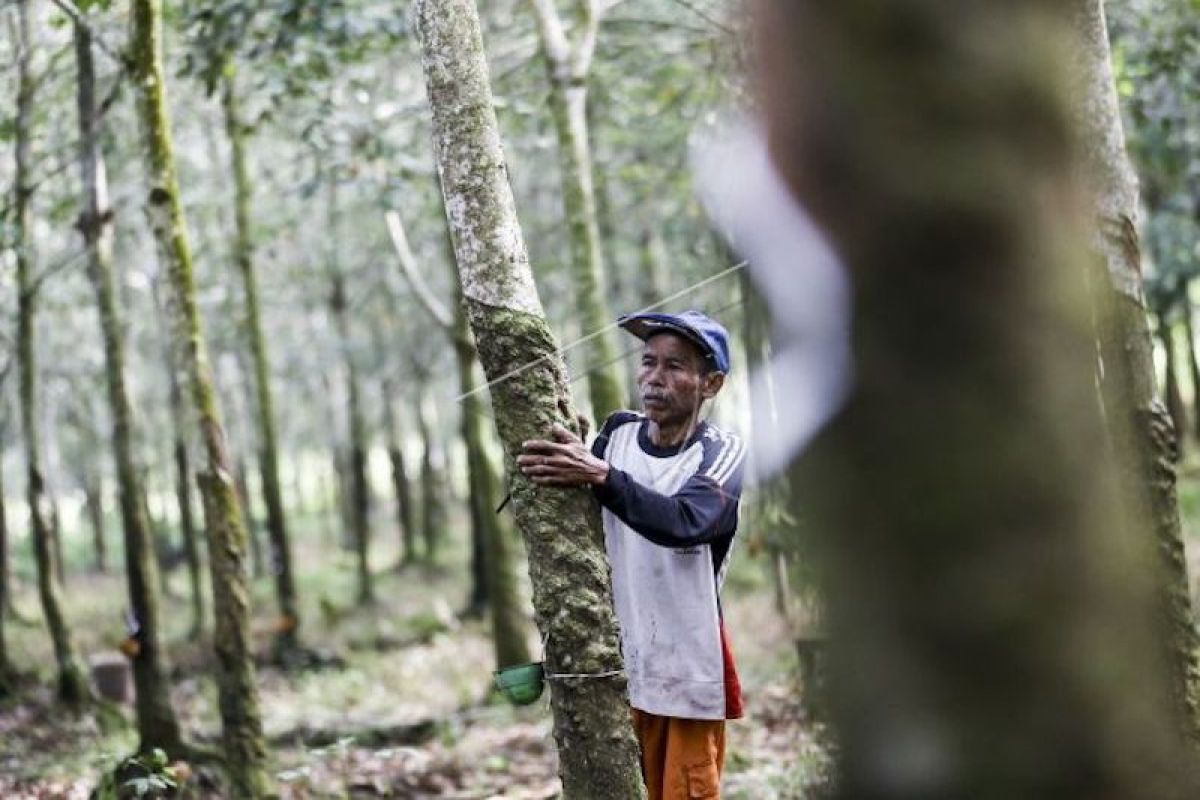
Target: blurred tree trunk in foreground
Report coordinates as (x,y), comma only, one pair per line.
(268,451)
(1189,329)
(1145,444)
(568,64)
(995,626)
(73,687)
(157,724)
(598,755)
(245,749)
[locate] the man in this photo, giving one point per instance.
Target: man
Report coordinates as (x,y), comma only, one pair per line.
(669,485)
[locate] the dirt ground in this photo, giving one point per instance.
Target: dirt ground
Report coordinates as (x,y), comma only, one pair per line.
(408,662)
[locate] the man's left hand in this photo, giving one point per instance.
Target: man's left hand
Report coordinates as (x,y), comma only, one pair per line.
(566,461)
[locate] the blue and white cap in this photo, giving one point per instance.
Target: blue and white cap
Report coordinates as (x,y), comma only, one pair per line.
(703,331)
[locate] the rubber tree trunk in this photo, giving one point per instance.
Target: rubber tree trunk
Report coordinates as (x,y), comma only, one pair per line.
(433,506)
(157,724)
(504,601)
(241,484)
(568,66)
(598,754)
(360,488)
(973,600)
(93,502)
(1147,454)
(1176,414)
(73,687)
(242,735)
(406,512)
(1189,315)
(181,462)
(268,451)
(6,670)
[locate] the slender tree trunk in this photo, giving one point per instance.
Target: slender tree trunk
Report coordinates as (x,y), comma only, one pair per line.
(6,669)
(268,458)
(360,489)
(1189,314)
(508,619)
(93,501)
(60,567)
(406,512)
(1172,444)
(433,508)
(598,754)
(157,723)
(973,600)
(568,69)
(73,687)
(1143,437)
(245,750)
(241,484)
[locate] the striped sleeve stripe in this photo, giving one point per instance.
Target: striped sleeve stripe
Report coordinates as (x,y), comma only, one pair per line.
(724,443)
(739,450)
(731,449)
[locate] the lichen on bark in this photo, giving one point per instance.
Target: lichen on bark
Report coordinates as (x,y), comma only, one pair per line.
(598,754)
(238,698)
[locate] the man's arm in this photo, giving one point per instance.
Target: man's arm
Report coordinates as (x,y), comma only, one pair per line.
(703,508)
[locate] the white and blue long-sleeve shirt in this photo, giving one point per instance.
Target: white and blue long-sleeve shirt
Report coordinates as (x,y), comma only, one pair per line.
(670,516)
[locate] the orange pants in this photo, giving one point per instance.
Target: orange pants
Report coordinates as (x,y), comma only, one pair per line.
(681,758)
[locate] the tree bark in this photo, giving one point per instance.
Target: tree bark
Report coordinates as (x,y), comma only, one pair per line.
(268,451)
(974,599)
(157,724)
(1175,411)
(568,65)
(93,503)
(73,687)
(1193,362)
(1142,435)
(598,754)
(242,735)
(6,669)
(182,464)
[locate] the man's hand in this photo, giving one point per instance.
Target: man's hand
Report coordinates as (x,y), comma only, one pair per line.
(566,461)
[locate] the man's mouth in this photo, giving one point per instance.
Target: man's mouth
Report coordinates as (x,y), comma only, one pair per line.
(654,399)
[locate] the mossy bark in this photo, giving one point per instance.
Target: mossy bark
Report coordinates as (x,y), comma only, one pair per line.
(242,735)
(974,600)
(157,724)
(1142,433)
(268,451)
(598,754)
(504,601)
(73,687)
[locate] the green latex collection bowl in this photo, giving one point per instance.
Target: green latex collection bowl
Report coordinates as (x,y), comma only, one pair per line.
(522,684)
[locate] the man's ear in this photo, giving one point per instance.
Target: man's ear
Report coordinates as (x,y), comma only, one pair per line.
(711,384)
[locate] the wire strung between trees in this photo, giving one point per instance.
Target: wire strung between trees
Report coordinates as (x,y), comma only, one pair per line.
(566,348)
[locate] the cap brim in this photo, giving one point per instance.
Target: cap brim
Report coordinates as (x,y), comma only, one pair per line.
(645,327)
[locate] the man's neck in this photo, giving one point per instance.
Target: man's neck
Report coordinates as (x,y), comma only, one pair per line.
(670,434)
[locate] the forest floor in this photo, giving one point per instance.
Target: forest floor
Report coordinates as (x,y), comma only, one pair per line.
(409,715)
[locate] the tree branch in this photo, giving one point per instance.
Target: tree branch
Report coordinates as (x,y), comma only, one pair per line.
(554,36)
(408,264)
(77,18)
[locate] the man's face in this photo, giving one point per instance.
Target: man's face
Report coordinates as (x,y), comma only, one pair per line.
(672,380)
